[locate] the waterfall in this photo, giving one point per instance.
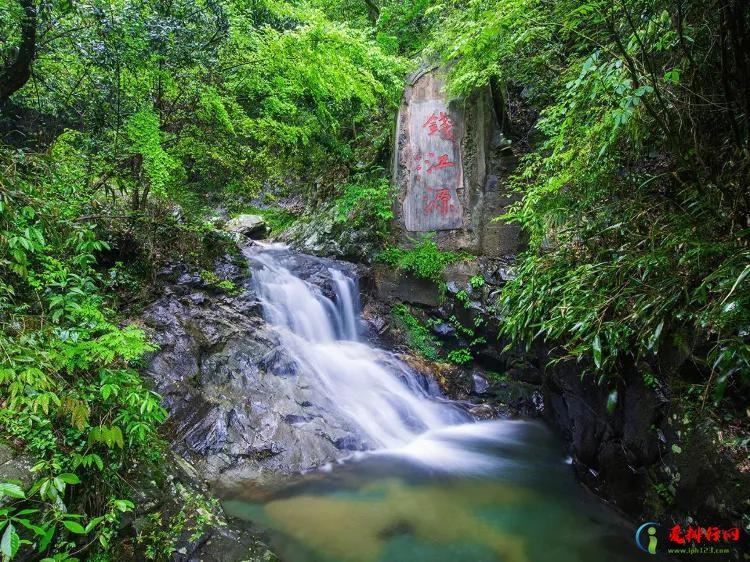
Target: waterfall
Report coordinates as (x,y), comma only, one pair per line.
(389,403)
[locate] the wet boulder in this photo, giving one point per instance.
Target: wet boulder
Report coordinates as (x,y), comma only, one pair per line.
(237,405)
(251,226)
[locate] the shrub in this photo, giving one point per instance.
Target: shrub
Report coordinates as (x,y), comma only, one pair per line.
(419,335)
(424,260)
(366,205)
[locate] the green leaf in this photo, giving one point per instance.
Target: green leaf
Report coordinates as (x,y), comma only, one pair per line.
(26,512)
(93,523)
(74,527)
(123,505)
(655,336)
(116,433)
(11,490)
(69,478)
(676,448)
(47,538)
(10,542)
(596,345)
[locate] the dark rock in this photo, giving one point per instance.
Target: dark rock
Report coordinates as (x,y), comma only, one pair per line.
(538,400)
(443,329)
(16,466)
(619,445)
(453,288)
(480,384)
(391,286)
(174,492)
(350,443)
(483,412)
(520,397)
(491,357)
(237,408)
(458,274)
(376,322)
(197,298)
(525,373)
(321,234)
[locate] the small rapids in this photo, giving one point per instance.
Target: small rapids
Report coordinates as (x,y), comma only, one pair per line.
(434,485)
(387,401)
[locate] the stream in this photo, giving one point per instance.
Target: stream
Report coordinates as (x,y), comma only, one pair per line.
(428,483)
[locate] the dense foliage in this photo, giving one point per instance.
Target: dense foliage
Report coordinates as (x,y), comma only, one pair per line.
(635,177)
(424,259)
(122,124)
(71,396)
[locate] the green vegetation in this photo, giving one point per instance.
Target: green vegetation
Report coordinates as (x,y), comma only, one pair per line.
(124,125)
(635,183)
(72,397)
(224,285)
(477,281)
(424,259)
(366,205)
(420,338)
(160,533)
(277,219)
(460,356)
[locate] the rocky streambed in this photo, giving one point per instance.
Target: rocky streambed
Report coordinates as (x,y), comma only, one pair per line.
(240,404)
(277,390)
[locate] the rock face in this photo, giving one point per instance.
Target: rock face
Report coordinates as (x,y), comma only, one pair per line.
(612,450)
(449,165)
(463,316)
(14,466)
(321,235)
(251,226)
(237,408)
(624,454)
(174,492)
(392,286)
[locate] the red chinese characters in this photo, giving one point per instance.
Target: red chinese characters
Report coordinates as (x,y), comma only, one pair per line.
(731,534)
(440,201)
(712,534)
(693,534)
(428,164)
(696,534)
(442,162)
(440,122)
(675,535)
(435,170)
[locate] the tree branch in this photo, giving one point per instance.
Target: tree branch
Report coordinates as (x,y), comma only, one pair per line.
(17,70)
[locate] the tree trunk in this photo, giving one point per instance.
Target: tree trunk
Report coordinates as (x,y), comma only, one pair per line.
(373,11)
(17,70)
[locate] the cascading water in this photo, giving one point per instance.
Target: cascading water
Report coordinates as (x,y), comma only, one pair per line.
(437,486)
(380,395)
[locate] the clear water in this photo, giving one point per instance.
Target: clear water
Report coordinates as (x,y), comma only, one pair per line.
(436,486)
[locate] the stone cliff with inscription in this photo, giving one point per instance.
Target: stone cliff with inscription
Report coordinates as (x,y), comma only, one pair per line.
(450,163)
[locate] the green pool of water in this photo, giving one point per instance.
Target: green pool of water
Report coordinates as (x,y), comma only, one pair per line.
(502,492)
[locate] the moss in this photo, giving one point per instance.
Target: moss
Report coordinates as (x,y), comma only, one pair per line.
(420,338)
(277,219)
(224,285)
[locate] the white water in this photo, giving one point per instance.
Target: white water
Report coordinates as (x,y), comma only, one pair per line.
(436,486)
(379,394)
